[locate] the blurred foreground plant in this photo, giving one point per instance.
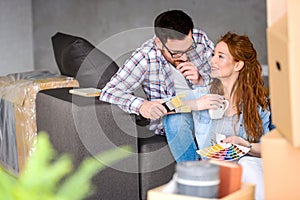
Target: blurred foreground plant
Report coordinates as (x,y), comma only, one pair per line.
(46,177)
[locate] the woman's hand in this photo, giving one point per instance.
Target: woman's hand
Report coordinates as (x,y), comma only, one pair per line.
(236,140)
(254,151)
(208,101)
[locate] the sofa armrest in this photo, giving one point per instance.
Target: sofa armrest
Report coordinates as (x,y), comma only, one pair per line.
(83,127)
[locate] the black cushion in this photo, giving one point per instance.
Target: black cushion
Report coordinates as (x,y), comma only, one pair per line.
(77,57)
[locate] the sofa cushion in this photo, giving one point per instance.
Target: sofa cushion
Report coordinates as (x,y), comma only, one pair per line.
(77,57)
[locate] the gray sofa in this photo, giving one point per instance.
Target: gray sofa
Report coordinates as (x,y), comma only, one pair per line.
(84,126)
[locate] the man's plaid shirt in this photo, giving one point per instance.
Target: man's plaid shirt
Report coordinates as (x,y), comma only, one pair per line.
(148,68)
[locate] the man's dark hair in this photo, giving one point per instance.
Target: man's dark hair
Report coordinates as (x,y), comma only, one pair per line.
(172,24)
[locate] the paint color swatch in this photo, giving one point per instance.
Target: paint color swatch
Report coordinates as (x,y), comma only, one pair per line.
(222,152)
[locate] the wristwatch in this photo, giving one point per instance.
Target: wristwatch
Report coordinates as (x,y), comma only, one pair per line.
(250,145)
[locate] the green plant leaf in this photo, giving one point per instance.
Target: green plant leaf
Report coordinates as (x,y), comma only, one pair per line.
(49,178)
(7,181)
(47,172)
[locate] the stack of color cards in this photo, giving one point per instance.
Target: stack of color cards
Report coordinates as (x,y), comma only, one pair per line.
(223,152)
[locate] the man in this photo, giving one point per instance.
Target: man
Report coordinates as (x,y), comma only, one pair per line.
(176,59)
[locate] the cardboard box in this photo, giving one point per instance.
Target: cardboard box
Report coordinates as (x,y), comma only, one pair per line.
(25,115)
(281,166)
(275,10)
(22,94)
(230,177)
(283,52)
(245,193)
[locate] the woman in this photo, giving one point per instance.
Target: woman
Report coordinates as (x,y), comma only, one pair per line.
(247,118)
(235,64)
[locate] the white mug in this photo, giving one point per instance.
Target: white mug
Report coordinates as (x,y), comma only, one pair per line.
(219,113)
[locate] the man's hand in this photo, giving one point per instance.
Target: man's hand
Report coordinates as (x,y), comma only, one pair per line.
(152,109)
(190,72)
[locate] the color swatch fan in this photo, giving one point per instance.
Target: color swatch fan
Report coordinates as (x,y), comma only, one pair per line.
(218,152)
(223,151)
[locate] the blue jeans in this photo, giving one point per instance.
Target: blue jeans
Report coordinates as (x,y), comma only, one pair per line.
(179,132)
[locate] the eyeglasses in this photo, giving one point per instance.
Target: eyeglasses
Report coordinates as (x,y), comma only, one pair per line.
(178,54)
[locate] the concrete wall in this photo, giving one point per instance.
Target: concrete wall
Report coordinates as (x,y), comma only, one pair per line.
(16,43)
(117,26)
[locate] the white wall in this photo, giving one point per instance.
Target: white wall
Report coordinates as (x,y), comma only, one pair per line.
(16,43)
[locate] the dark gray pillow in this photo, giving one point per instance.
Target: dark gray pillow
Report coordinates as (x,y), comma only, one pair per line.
(78,58)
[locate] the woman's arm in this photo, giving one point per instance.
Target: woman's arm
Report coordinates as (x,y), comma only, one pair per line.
(255,147)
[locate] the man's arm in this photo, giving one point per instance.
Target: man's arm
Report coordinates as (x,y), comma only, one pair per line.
(119,90)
